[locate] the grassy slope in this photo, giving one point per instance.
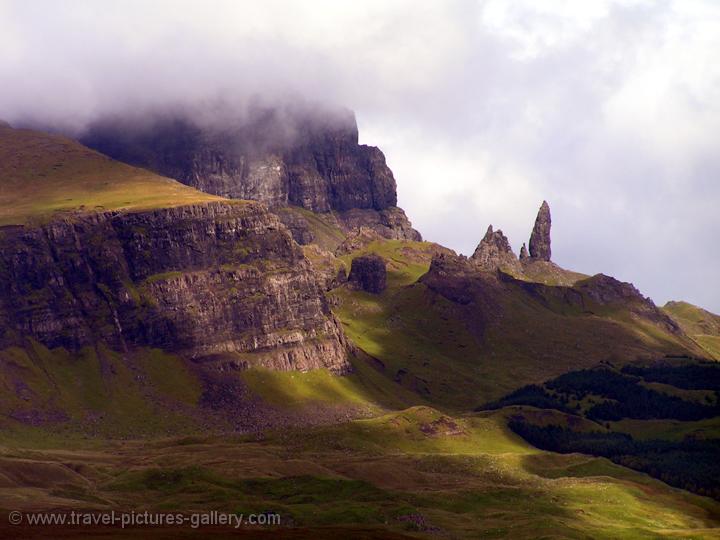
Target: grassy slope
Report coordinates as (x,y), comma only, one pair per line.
(99,392)
(408,329)
(364,387)
(465,477)
(323,227)
(433,346)
(150,393)
(700,324)
(671,430)
(41,174)
(549,273)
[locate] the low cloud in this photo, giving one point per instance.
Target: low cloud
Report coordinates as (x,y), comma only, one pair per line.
(609,110)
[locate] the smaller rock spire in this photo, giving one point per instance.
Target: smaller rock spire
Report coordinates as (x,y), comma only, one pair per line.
(494,251)
(540,237)
(524,253)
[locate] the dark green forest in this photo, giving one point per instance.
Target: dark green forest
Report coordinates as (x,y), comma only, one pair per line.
(605,394)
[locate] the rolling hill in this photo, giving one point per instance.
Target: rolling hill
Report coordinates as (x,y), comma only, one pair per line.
(698,323)
(45,175)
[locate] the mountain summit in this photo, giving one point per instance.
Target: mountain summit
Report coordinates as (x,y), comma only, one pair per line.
(295,155)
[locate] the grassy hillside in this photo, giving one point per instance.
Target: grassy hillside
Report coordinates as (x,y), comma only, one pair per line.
(41,174)
(660,417)
(549,273)
(416,472)
(700,324)
(457,356)
(100,393)
(324,227)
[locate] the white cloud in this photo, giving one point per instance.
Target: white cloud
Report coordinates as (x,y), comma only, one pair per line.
(608,109)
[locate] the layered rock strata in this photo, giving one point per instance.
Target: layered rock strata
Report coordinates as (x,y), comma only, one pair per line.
(200,280)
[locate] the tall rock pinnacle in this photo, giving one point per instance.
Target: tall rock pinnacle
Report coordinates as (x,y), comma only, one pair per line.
(540,237)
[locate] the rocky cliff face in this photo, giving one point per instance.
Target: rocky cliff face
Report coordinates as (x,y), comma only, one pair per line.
(540,237)
(281,156)
(214,280)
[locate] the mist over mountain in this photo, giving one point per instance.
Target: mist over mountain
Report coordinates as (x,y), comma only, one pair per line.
(607,109)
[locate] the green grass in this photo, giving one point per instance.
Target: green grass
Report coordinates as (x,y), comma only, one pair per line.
(700,324)
(290,389)
(363,387)
(467,477)
(673,430)
(101,393)
(418,341)
(406,260)
(550,274)
(98,392)
(43,175)
(711,344)
(418,430)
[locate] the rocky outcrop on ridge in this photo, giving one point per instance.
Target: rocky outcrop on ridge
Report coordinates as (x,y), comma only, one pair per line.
(201,280)
(589,321)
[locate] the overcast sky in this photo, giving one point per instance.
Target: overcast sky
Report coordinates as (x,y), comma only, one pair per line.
(610,110)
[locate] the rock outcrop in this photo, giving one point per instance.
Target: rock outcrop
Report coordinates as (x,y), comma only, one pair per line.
(540,237)
(494,252)
(524,253)
(368,273)
(295,155)
(202,280)
(608,291)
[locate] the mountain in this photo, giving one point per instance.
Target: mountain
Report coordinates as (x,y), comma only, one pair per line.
(283,155)
(287,344)
(106,262)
